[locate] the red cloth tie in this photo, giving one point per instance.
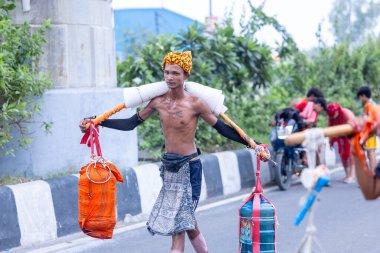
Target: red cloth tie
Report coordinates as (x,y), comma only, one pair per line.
(91,139)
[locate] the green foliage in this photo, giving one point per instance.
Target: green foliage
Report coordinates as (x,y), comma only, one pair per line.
(20,81)
(5,6)
(255,87)
(353,20)
(338,71)
(225,59)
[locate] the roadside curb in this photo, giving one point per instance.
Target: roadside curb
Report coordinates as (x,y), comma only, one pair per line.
(45,210)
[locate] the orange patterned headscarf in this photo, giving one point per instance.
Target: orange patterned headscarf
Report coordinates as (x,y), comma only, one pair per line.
(182,59)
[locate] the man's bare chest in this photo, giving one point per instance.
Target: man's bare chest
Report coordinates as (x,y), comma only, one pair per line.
(177,116)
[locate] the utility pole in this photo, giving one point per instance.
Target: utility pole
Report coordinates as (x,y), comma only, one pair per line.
(210,7)
(349,23)
(156,22)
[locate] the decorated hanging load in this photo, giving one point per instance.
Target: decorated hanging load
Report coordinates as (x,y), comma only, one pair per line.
(257,222)
(97,191)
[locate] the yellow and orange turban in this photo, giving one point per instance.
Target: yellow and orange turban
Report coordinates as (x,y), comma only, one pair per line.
(182,59)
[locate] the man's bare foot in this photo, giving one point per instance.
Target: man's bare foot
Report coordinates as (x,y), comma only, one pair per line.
(348,180)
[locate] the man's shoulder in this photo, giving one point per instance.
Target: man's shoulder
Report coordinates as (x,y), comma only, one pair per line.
(195,101)
(158,98)
(348,112)
(368,106)
(346,109)
(192,98)
(369,103)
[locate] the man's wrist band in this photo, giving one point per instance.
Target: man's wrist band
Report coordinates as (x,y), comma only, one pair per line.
(138,117)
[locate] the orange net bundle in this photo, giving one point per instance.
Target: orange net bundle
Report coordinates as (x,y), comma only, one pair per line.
(97,199)
(97,191)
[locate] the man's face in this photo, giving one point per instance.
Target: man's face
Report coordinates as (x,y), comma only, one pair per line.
(174,76)
(363,98)
(312,98)
(318,108)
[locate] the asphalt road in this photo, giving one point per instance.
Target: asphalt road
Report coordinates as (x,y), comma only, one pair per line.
(345,223)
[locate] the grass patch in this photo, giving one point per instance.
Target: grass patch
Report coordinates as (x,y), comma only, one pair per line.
(14,180)
(19,179)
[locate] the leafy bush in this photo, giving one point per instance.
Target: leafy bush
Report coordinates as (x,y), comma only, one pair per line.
(338,71)
(255,87)
(20,81)
(225,59)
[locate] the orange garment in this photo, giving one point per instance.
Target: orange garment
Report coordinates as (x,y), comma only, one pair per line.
(182,59)
(373,116)
(372,121)
(376,113)
(358,151)
(97,199)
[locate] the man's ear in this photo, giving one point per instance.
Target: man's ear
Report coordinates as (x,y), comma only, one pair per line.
(186,76)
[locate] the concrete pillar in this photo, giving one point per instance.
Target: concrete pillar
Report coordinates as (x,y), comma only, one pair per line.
(80,58)
(81,47)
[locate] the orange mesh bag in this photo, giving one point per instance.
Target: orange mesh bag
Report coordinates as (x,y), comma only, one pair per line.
(97,191)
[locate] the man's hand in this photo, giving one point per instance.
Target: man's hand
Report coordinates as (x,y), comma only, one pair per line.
(263,152)
(358,123)
(309,124)
(82,125)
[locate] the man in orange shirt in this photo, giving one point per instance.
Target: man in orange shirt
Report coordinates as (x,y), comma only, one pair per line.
(364,94)
(369,182)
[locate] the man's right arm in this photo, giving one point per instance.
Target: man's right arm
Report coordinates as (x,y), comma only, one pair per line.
(124,124)
(132,122)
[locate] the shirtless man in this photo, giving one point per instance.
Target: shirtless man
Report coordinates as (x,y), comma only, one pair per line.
(337,115)
(179,113)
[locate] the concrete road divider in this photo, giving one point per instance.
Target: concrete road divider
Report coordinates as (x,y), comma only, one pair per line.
(43,210)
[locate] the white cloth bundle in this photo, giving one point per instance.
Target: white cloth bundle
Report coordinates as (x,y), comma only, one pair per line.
(214,98)
(135,96)
(314,140)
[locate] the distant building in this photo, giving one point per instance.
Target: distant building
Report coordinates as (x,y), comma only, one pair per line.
(136,25)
